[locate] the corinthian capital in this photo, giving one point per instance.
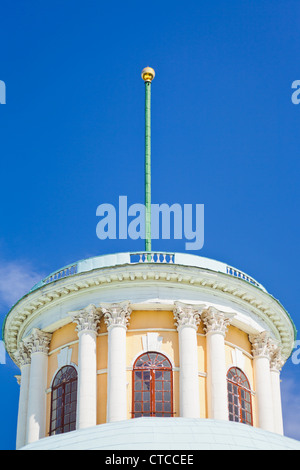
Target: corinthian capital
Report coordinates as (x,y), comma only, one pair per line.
(38,341)
(187,314)
(216,321)
(262,345)
(276,359)
(22,355)
(86,319)
(116,314)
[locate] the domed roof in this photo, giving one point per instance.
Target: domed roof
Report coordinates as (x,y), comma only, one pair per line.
(167,434)
(176,276)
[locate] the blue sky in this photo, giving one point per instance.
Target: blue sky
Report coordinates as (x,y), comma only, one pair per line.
(225,134)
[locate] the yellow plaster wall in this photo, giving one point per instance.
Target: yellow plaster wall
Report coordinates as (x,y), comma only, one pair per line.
(202,360)
(151,319)
(154,321)
(140,323)
(60,338)
(237,338)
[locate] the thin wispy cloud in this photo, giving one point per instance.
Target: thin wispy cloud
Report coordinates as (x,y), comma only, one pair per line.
(16,279)
(291,404)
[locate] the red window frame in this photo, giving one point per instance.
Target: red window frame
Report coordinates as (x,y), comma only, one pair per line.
(152,386)
(239,397)
(63,401)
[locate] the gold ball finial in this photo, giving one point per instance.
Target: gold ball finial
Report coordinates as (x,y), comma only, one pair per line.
(148,74)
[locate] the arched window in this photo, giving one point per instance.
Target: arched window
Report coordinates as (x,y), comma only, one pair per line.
(63,401)
(239,396)
(152,386)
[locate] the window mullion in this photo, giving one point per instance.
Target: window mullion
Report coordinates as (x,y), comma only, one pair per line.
(152,392)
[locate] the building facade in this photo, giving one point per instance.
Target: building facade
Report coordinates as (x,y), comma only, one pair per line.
(125,336)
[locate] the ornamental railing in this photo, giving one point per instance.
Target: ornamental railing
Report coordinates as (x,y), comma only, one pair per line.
(152,257)
(64,272)
(155,257)
(236,273)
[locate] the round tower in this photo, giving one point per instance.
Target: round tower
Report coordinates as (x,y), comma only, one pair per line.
(149,350)
(119,337)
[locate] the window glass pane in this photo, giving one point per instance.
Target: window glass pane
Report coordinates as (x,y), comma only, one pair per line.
(67,409)
(160,358)
(167,385)
(237,382)
(146,385)
(63,402)
(158,407)
(151,380)
(146,406)
(158,385)
(248,407)
(138,385)
(138,406)
(146,375)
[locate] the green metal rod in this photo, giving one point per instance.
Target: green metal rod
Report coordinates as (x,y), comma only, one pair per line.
(148,165)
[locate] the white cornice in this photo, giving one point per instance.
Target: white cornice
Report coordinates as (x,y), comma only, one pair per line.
(202,281)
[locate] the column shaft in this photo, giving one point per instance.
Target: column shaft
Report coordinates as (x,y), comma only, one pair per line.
(23,403)
(261,350)
(264,393)
(38,345)
(87,321)
(276,364)
(217,400)
(116,380)
(189,380)
(22,357)
(36,428)
(116,317)
(215,325)
(276,393)
(87,380)
(187,318)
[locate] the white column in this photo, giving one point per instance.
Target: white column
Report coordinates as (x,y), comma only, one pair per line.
(275,368)
(23,359)
(38,345)
(87,321)
(215,325)
(116,317)
(187,318)
(261,350)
